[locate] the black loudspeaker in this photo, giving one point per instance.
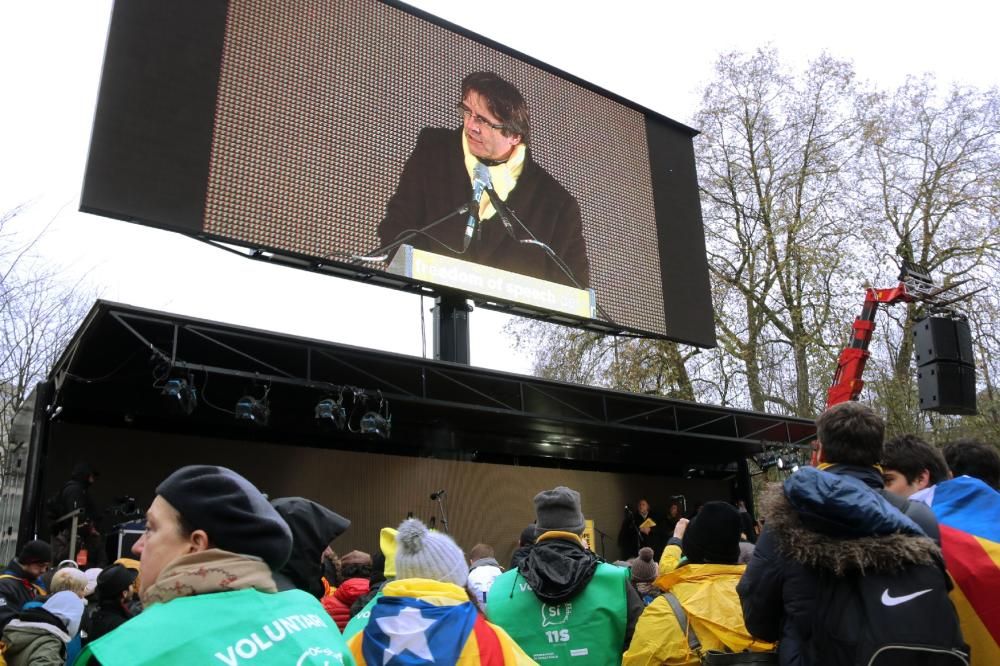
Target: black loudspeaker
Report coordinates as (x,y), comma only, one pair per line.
(942,339)
(946,372)
(947,387)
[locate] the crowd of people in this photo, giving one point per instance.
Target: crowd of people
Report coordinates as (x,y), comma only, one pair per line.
(878,553)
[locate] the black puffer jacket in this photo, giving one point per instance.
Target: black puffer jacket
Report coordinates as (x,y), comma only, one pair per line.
(822,521)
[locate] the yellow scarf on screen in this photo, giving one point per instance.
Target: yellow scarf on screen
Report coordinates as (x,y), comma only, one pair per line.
(504,176)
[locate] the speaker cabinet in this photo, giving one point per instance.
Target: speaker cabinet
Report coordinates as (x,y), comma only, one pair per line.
(947,387)
(946,372)
(942,339)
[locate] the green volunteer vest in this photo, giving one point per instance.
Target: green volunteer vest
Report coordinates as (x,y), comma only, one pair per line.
(360,621)
(588,629)
(243,628)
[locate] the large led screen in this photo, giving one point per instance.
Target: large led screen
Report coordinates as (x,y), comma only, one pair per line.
(335,130)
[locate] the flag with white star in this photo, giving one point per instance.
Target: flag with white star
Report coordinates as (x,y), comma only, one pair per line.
(403,631)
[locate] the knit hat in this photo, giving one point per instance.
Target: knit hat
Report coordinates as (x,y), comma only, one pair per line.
(234,514)
(713,536)
(114,580)
(35,552)
(644,569)
(559,509)
(68,607)
(387,544)
(128,563)
(421,553)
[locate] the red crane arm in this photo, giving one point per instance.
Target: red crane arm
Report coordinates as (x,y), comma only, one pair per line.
(847,382)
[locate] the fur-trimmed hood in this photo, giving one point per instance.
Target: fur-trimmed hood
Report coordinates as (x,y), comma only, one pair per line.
(833,522)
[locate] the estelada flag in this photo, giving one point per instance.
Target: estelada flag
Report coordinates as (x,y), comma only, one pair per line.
(968,512)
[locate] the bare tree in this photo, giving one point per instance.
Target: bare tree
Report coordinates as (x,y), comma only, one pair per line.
(772,160)
(39,312)
(928,191)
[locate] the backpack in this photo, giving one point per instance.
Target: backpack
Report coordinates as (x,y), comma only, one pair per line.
(887,619)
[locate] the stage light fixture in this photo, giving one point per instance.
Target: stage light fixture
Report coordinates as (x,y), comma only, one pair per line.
(249,408)
(768,460)
(331,412)
(378,421)
(181,396)
(373,423)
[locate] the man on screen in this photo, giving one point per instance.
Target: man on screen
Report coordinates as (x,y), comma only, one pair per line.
(438,179)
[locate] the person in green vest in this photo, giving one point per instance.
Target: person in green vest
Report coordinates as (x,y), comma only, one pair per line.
(211,544)
(562,604)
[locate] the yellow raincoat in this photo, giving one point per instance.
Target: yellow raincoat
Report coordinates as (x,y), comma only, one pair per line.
(707,592)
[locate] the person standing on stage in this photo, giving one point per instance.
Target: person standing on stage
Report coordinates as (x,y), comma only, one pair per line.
(640,529)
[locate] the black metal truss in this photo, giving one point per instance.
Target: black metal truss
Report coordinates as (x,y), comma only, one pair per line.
(436,406)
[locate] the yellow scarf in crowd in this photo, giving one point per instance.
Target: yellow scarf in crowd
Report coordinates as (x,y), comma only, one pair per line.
(825,466)
(504,176)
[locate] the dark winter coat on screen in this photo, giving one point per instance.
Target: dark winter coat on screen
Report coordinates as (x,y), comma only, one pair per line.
(435,182)
(834,521)
(338,605)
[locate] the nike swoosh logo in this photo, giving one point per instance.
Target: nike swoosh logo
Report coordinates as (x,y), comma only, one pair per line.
(888,600)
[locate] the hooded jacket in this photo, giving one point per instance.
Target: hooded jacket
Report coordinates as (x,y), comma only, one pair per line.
(818,521)
(558,569)
(707,593)
(313,528)
(36,638)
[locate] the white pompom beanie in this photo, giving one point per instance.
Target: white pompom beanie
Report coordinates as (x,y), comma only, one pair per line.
(421,553)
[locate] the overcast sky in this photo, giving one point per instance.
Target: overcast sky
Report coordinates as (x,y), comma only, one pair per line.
(658,54)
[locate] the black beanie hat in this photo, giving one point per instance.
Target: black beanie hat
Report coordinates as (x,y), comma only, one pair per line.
(713,536)
(234,514)
(114,580)
(35,552)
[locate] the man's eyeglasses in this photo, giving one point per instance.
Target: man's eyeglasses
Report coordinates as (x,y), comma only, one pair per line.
(467,114)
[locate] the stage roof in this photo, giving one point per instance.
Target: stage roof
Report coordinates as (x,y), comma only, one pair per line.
(114,370)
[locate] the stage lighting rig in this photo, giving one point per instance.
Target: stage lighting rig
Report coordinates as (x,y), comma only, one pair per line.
(181,395)
(331,412)
(254,410)
(377,421)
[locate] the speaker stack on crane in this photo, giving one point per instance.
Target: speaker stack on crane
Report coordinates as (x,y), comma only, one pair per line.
(942,339)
